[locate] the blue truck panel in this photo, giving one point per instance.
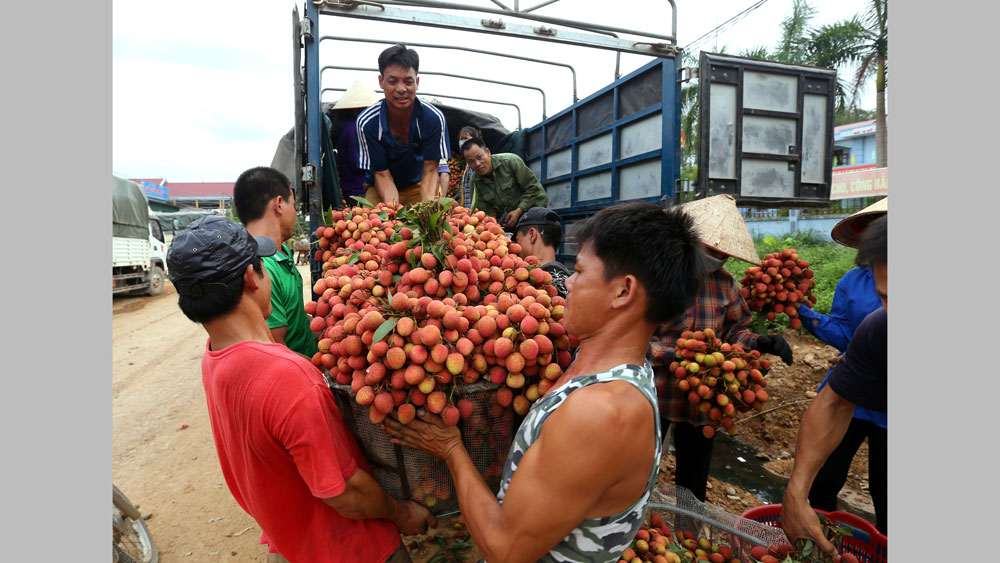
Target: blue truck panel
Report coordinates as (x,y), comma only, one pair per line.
(621,143)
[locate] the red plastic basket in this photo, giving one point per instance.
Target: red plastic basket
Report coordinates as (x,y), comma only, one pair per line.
(865,542)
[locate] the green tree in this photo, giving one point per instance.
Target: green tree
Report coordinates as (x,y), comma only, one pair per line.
(862,40)
(793,47)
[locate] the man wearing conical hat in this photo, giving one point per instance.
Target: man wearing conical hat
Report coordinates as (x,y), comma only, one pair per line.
(719,306)
(854,299)
(352,177)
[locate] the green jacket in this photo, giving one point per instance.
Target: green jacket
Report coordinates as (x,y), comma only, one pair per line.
(511,185)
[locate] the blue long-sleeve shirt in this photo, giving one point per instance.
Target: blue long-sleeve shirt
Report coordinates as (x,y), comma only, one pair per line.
(853,299)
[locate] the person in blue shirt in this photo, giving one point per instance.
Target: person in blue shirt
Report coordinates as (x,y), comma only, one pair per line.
(401,140)
(854,298)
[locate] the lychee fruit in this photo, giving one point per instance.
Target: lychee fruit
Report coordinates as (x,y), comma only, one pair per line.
(365,396)
(450,415)
(383,402)
(521,405)
(406,413)
(436,402)
(465,408)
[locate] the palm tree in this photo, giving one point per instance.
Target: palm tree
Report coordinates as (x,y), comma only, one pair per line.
(794,44)
(861,40)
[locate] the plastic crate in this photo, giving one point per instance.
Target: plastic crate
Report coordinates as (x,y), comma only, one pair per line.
(865,542)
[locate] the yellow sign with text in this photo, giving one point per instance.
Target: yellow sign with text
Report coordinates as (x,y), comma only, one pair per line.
(865,183)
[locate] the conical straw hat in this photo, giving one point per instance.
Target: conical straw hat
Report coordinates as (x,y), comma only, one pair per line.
(848,230)
(357,96)
(720,225)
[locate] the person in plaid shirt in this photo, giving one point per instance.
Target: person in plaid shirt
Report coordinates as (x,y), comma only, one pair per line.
(719,306)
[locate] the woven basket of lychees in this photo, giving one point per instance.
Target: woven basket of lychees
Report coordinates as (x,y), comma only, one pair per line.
(430,306)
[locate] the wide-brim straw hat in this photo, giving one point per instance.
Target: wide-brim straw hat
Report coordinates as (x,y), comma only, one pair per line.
(720,225)
(357,96)
(848,230)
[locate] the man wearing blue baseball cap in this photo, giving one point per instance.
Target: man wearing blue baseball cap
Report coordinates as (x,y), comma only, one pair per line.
(286,454)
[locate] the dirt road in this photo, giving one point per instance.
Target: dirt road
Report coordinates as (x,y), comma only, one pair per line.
(165,460)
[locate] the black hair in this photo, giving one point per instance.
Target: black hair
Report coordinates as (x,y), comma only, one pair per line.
(874,247)
(470,130)
(216,303)
(399,54)
(468,144)
(659,247)
(255,188)
(551,234)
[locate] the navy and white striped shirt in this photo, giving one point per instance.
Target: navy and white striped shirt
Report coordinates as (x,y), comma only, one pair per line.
(379,150)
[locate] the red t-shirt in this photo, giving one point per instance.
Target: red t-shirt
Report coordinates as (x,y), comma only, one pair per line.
(284,447)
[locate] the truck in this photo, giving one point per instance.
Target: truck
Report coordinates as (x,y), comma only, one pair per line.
(138,250)
(765,128)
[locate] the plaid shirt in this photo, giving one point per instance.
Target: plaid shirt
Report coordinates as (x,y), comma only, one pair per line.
(720,307)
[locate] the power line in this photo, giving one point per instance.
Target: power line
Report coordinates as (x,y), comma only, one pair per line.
(725,25)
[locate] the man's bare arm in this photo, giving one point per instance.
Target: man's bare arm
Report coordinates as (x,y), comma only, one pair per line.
(429,181)
(823,427)
(545,501)
(385,187)
(364,498)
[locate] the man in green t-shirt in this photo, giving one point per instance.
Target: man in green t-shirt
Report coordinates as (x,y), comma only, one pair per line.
(503,186)
(265,205)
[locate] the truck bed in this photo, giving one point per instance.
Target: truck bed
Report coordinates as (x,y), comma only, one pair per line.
(128,252)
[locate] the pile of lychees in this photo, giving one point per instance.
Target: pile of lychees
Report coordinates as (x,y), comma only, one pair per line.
(656,543)
(781,284)
(719,378)
(416,302)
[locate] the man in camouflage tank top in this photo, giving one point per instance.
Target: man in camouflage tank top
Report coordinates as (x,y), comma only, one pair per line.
(583,463)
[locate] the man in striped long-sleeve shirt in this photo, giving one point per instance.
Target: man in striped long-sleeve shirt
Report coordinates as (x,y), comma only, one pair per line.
(719,306)
(401,140)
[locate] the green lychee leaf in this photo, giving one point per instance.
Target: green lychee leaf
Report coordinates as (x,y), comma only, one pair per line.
(384,329)
(396,277)
(436,251)
(383,215)
(362,201)
(354,258)
(329,216)
(413,259)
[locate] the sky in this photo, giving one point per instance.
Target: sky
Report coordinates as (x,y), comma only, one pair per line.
(204,90)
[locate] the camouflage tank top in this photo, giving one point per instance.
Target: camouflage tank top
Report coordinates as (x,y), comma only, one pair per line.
(595,539)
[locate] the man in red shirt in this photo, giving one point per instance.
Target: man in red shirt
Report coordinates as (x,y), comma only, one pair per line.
(285,452)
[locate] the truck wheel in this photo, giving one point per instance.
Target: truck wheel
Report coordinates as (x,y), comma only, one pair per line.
(155,281)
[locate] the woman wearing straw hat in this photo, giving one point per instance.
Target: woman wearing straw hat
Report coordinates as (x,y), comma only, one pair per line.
(854,298)
(355,99)
(719,306)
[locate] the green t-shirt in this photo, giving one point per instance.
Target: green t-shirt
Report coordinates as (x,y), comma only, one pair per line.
(287,308)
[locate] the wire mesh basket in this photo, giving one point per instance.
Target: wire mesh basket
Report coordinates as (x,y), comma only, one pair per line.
(681,511)
(405,473)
